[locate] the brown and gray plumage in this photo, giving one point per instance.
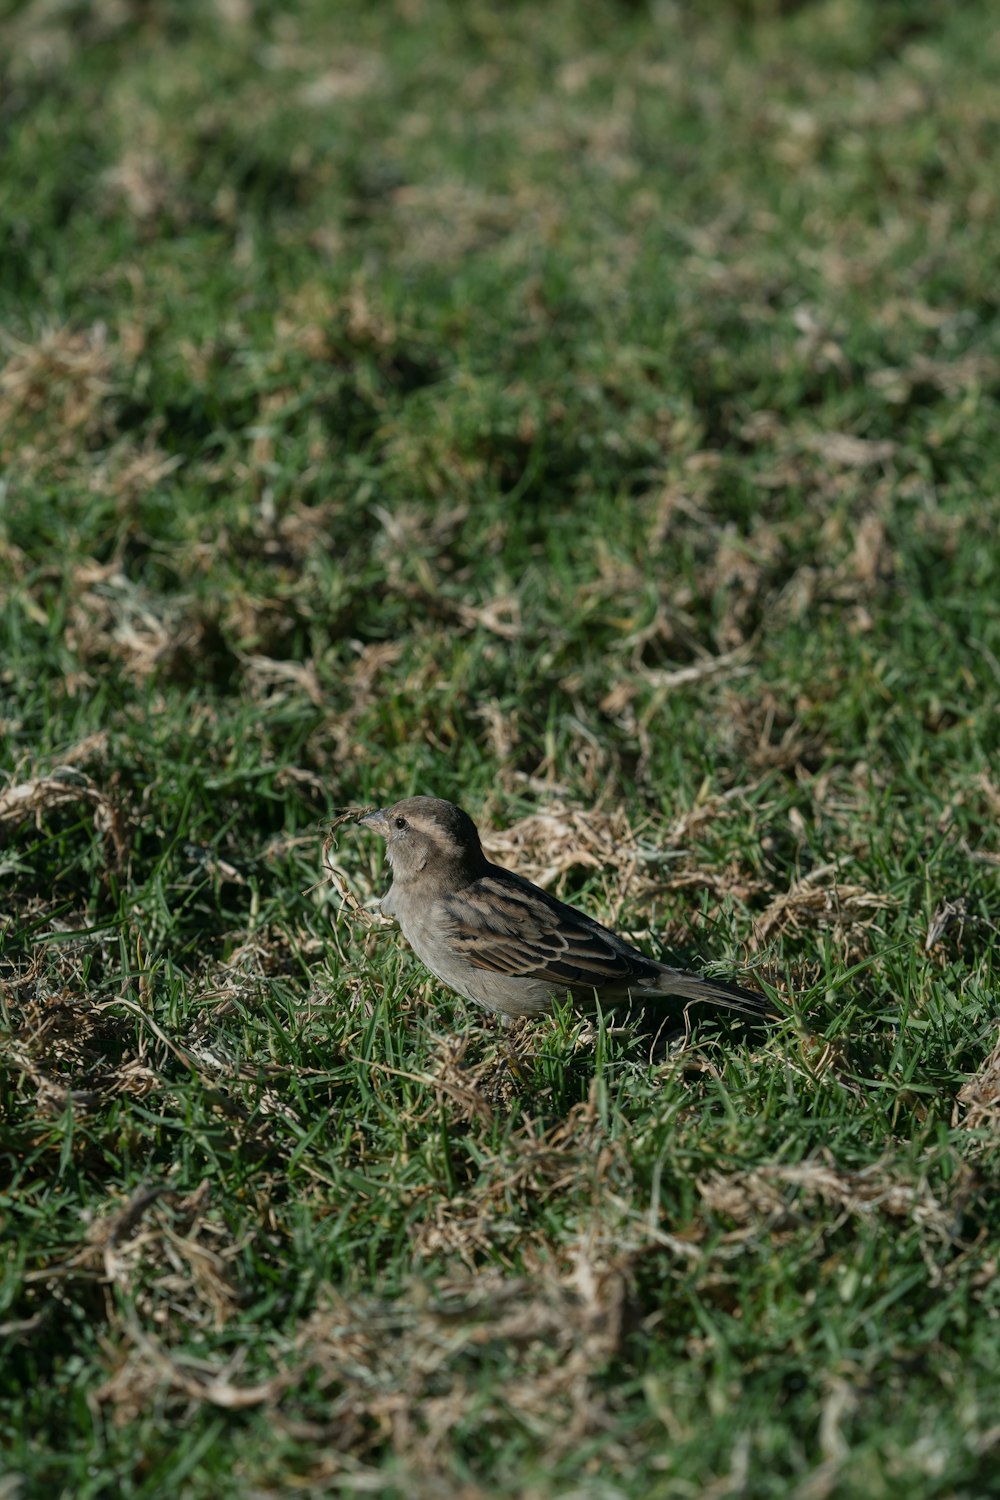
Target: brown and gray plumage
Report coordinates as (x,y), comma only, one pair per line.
(506,944)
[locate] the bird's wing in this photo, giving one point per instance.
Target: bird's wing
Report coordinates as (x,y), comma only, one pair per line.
(508,926)
(505,925)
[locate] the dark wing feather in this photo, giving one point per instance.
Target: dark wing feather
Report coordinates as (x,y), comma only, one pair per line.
(504,924)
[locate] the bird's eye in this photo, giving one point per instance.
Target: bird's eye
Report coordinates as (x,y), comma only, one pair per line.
(400,821)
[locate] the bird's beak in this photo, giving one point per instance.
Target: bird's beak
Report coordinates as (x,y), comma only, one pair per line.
(377,822)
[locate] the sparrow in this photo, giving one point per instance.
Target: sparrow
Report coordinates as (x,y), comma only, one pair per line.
(504,943)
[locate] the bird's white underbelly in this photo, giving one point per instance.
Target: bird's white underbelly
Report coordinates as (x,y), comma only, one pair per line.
(511,995)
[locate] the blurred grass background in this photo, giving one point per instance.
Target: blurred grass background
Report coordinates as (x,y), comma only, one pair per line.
(588,413)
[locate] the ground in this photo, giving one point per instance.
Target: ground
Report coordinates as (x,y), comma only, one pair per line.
(590,414)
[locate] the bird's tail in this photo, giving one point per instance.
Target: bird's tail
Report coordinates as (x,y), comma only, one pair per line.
(698,988)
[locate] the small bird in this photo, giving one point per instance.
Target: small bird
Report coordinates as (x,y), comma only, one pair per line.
(503,942)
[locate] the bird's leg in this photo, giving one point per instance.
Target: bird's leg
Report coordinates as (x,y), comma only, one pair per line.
(512,1058)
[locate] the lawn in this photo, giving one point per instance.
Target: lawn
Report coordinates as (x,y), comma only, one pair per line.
(590,414)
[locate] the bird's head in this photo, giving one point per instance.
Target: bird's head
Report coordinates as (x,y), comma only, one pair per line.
(426,835)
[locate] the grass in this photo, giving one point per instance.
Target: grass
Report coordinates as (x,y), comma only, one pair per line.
(588,414)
